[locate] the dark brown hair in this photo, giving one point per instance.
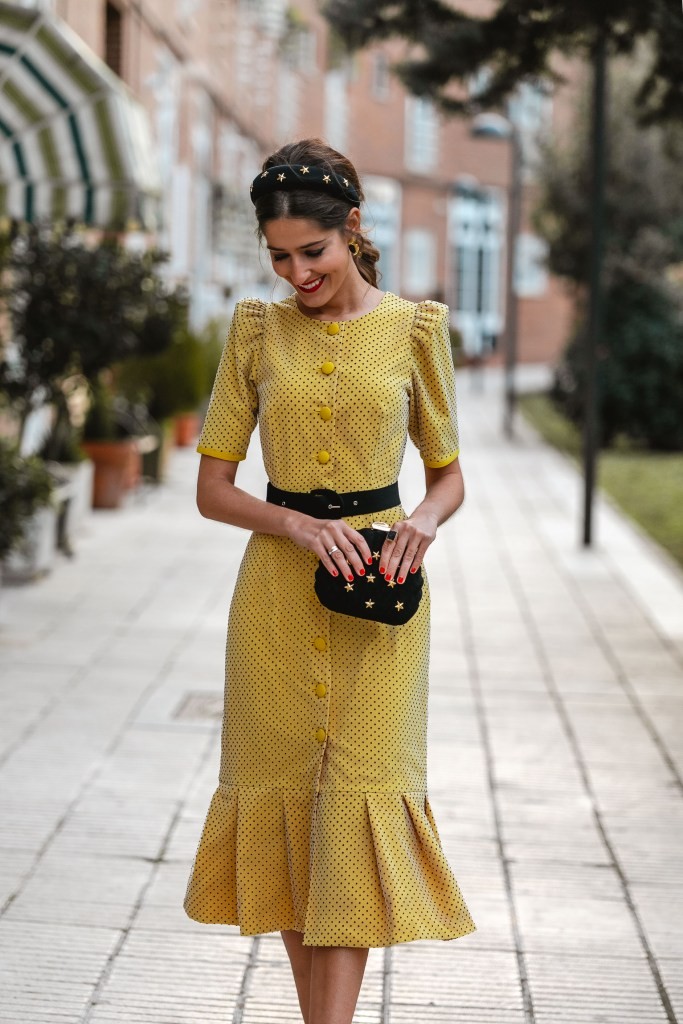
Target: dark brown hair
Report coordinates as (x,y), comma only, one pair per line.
(328,211)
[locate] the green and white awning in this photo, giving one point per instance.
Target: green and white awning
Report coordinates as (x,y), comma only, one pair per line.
(73,140)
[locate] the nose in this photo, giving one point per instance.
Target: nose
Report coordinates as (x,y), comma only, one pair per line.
(301,272)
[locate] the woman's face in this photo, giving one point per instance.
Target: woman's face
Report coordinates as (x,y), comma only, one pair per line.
(316,261)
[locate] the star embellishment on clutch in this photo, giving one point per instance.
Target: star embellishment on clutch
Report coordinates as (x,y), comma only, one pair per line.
(370,578)
(399,606)
(375,554)
(391,583)
(370,603)
(349,586)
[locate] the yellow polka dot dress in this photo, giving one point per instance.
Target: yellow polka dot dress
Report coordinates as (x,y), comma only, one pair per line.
(321,820)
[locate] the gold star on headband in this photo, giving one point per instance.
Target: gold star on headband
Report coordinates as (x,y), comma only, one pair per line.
(346,182)
(326,179)
(280,177)
(265,174)
(251,188)
(303,170)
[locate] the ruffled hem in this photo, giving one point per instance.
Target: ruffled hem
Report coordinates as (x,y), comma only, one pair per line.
(273,859)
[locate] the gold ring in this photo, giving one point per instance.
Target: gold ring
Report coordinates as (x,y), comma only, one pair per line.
(333,549)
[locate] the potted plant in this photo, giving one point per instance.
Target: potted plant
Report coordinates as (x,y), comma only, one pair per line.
(113,452)
(25,490)
(188,385)
(172,385)
(76,309)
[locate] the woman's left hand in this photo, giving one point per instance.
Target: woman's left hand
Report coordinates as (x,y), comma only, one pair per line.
(404,554)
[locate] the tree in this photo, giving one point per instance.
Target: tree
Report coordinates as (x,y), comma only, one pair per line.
(517,41)
(641,355)
(76,309)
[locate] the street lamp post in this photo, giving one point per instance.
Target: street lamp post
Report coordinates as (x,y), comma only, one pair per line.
(495,126)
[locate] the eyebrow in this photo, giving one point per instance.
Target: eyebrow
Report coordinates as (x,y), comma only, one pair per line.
(274,248)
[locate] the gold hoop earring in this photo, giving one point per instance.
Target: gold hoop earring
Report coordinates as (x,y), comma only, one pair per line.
(354,248)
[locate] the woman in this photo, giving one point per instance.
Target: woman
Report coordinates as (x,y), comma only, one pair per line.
(321,827)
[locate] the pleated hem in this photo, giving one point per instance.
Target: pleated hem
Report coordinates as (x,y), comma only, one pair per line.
(345,868)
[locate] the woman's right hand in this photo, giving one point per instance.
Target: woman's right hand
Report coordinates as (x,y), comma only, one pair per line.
(320,535)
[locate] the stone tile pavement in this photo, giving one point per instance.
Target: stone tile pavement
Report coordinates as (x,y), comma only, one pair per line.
(556,749)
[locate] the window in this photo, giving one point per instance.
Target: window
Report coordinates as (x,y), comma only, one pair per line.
(383,215)
(422,134)
(531,110)
(420,263)
(531,273)
(381,80)
(113,40)
(336,108)
(476,239)
(288,101)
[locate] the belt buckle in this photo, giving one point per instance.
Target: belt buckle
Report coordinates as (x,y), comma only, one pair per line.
(330,501)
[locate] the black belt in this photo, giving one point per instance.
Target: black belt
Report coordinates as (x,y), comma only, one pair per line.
(322,503)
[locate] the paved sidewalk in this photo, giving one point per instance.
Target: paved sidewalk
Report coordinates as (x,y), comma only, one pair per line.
(556,749)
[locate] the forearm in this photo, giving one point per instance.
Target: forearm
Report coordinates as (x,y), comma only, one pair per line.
(219,499)
(222,501)
(445,493)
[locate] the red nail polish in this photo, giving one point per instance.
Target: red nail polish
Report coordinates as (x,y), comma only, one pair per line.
(382,569)
(334,572)
(361,572)
(369,561)
(350,579)
(388,576)
(413,568)
(400,579)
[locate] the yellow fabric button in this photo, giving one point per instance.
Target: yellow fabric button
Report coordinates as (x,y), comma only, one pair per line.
(323,457)
(320,643)
(320,735)
(327,367)
(325,412)
(333,328)
(321,690)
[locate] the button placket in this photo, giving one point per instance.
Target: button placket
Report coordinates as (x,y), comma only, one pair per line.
(320,689)
(333,331)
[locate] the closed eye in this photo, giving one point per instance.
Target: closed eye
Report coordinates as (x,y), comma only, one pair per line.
(311,253)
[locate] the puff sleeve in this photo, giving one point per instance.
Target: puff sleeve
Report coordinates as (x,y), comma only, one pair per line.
(433,424)
(233,406)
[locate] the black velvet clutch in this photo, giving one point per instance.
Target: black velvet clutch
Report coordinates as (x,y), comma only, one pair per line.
(371,596)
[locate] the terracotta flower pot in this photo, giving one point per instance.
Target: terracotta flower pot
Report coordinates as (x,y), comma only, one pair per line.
(112,460)
(186,429)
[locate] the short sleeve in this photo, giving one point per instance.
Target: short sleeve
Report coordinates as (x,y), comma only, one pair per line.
(233,406)
(433,423)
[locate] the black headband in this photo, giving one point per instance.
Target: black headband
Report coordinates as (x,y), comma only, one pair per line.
(285,178)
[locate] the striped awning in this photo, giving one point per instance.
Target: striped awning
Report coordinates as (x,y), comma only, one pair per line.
(73,140)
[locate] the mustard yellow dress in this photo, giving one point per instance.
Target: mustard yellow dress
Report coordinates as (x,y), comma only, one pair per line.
(321,820)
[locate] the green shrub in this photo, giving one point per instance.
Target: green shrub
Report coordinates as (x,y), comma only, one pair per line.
(25,486)
(178,379)
(640,378)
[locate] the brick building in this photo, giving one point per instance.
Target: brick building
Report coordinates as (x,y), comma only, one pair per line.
(223,82)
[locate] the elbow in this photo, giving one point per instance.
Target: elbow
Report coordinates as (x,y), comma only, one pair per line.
(203,504)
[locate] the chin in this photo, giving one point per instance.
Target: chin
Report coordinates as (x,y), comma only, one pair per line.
(318,297)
